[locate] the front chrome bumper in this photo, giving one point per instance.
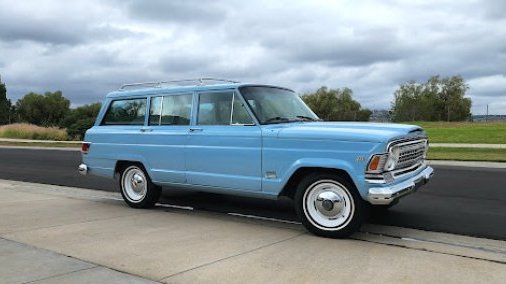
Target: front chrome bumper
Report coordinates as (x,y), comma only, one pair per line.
(387,194)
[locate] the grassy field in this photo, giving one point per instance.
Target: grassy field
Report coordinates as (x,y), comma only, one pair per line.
(30,131)
(465,132)
(467,154)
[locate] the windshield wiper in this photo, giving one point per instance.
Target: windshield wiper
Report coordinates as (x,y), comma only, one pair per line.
(307,118)
(280,119)
(277,119)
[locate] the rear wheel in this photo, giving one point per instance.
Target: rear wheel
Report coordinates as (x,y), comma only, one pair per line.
(136,187)
(329,205)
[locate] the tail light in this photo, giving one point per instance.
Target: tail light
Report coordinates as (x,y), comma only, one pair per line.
(85,147)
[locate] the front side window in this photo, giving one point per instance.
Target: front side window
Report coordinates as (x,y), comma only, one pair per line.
(170,110)
(126,112)
(223,108)
(276,105)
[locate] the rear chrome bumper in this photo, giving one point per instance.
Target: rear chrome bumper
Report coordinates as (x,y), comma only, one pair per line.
(387,194)
(82,169)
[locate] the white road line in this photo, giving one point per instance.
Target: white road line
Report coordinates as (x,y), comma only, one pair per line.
(174,206)
(109,198)
(264,218)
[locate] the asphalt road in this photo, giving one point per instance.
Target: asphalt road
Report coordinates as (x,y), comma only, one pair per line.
(461,200)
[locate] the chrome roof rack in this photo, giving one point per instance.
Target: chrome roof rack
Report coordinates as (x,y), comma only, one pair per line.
(181,82)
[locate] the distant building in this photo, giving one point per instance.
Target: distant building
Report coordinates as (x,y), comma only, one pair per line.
(380,115)
(484,118)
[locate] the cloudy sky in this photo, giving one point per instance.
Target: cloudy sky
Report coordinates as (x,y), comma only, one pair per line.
(88,48)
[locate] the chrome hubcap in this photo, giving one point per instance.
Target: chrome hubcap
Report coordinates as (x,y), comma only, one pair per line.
(137,182)
(328,205)
(134,184)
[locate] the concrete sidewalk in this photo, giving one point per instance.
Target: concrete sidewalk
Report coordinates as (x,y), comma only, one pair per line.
(21,263)
(56,234)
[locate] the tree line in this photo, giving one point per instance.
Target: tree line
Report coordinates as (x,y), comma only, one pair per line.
(50,109)
(437,99)
(336,105)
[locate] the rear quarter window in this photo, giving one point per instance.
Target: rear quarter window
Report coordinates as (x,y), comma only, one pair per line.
(126,112)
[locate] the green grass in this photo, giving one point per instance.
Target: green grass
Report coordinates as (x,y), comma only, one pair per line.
(467,154)
(465,132)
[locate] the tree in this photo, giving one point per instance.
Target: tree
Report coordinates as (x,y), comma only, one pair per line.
(437,99)
(336,105)
(81,119)
(5,105)
(45,110)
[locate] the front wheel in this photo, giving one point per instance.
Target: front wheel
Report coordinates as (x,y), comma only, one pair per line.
(136,187)
(329,205)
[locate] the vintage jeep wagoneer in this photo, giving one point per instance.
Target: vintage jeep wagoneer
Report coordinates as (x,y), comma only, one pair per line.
(252,140)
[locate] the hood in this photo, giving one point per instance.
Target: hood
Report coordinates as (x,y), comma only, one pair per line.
(346,131)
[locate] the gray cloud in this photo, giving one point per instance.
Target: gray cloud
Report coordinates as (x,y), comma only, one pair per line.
(54,33)
(176,11)
(36,30)
(359,48)
(88,48)
(495,9)
(24,25)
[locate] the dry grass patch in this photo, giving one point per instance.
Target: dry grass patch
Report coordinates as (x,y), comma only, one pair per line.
(30,131)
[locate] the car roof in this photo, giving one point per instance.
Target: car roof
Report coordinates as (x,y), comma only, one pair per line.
(160,89)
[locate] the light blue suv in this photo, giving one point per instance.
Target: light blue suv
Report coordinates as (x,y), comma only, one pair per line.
(252,140)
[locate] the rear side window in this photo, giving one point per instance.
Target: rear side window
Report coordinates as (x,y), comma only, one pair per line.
(170,110)
(126,112)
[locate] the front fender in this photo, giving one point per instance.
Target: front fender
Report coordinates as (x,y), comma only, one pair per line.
(275,186)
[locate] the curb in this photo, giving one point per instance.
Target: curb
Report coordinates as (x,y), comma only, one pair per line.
(468,164)
(37,141)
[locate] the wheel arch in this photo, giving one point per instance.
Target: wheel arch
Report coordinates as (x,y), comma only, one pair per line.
(122,164)
(290,187)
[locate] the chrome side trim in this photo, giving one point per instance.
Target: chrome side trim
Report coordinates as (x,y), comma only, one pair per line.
(387,194)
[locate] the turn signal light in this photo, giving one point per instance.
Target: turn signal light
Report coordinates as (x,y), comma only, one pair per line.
(373,165)
(377,163)
(85,147)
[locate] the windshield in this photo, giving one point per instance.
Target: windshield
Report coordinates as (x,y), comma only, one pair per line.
(275,105)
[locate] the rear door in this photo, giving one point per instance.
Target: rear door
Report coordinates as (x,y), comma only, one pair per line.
(224,145)
(116,135)
(164,138)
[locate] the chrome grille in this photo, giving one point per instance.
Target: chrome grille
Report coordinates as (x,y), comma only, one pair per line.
(411,153)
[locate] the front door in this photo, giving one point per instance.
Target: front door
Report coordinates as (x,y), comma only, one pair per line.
(224,145)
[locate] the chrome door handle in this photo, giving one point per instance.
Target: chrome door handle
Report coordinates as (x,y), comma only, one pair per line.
(146,129)
(196,129)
